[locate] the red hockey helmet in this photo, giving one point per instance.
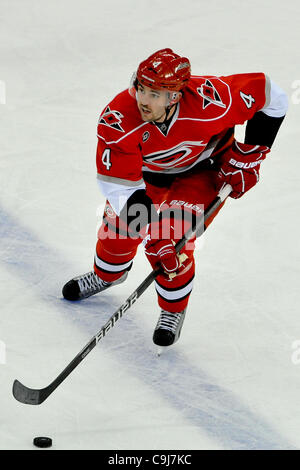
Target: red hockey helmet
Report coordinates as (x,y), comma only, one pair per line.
(164,69)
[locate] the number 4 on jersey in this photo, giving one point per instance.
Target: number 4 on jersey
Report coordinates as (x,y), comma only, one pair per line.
(106,159)
(248,99)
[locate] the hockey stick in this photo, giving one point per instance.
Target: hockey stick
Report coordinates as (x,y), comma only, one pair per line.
(32,396)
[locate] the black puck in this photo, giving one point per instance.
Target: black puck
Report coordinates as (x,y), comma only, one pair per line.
(42,442)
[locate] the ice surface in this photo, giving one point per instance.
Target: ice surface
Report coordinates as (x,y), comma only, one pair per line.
(230,382)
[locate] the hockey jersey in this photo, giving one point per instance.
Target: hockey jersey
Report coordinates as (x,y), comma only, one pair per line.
(128,146)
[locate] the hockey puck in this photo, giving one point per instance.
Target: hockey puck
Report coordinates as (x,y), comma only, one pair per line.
(42,442)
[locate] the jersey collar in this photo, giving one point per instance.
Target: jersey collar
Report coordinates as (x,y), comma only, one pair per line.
(164,127)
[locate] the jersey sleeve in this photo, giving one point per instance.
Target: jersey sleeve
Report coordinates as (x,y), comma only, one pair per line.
(259,101)
(119,163)
(250,92)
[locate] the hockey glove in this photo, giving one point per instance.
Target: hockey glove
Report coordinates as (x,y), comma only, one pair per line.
(160,251)
(240,167)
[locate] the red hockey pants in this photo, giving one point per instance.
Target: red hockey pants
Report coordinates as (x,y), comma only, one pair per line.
(115,253)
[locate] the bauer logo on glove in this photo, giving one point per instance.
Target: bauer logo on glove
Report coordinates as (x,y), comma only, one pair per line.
(240,167)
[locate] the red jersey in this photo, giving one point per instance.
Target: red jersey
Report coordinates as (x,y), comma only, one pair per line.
(128,146)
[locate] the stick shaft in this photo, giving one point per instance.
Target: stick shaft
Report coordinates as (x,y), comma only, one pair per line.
(37,396)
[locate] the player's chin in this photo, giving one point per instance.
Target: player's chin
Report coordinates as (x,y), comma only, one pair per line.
(146,116)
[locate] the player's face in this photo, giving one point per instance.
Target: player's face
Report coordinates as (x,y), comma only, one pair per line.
(151,103)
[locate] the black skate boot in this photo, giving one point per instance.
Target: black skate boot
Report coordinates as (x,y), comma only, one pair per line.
(168,328)
(86,285)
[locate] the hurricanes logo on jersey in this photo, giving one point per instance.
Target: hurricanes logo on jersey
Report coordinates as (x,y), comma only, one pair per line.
(210,95)
(175,156)
(111,119)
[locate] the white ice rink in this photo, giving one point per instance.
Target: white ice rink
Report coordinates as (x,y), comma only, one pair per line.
(233,379)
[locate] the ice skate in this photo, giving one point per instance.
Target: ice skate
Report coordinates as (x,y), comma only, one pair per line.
(88,284)
(168,328)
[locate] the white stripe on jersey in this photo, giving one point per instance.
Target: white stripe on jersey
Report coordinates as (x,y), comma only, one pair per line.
(121,181)
(123,137)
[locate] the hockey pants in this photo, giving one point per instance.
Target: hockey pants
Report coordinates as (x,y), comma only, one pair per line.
(115,251)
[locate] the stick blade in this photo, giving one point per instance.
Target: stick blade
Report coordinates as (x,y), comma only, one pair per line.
(26,395)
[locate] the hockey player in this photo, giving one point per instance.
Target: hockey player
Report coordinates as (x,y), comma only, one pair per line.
(168,143)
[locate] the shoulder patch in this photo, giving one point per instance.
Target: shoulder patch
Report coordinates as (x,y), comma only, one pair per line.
(210,95)
(111,119)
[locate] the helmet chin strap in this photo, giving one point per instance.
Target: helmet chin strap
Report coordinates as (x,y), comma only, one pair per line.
(167,111)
